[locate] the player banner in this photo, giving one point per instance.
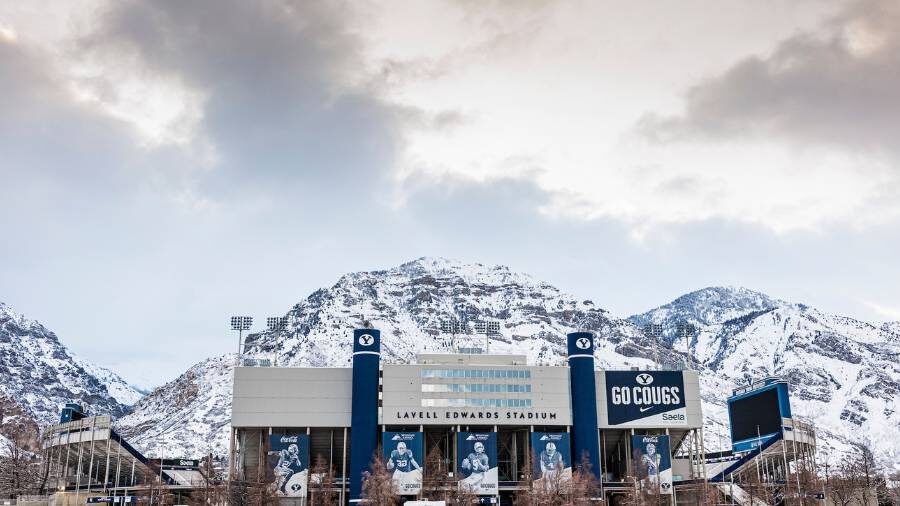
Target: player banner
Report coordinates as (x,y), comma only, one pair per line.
(553,458)
(653,462)
(402,452)
(288,462)
(477,454)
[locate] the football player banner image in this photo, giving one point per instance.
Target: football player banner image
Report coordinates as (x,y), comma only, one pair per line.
(553,458)
(477,454)
(288,462)
(402,452)
(653,462)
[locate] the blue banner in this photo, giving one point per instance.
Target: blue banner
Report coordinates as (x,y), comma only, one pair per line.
(653,462)
(477,454)
(288,460)
(553,457)
(645,398)
(402,453)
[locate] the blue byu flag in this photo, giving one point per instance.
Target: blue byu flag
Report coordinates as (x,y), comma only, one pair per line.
(552,454)
(288,460)
(653,462)
(402,453)
(477,453)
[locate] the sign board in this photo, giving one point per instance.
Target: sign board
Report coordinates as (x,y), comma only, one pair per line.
(288,461)
(645,398)
(179,463)
(553,458)
(755,418)
(402,453)
(477,454)
(653,462)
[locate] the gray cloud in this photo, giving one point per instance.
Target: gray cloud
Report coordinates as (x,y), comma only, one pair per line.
(839,88)
(277,109)
(98,245)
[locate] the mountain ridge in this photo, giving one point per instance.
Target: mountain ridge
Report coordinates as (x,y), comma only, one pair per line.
(843,371)
(39,374)
(738,334)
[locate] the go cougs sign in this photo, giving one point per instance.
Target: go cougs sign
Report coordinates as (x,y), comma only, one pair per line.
(645,398)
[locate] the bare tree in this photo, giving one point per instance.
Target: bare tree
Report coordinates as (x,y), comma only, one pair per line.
(868,474)
(21,469)
(248,493)
(378,487)
(322,491)
(584,484)
(558,488)
(212,489)
(438,481)
(461,494)
(892,487)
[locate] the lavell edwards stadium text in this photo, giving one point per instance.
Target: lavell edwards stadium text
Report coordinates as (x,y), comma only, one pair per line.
(476,415)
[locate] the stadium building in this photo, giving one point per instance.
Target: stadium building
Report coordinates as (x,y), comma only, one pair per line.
(490,420)
(487,416)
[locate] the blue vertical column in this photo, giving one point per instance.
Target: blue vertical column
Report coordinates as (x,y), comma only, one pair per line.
(583,386)
(364,418)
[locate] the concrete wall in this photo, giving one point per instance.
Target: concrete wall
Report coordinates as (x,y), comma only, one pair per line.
(321,397)
(291,397)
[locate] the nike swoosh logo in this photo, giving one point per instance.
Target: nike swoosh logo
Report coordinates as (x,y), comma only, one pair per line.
(645,409)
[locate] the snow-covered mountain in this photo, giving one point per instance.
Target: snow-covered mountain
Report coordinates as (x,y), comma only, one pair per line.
(892,327)
(844,372)
(189,416)
(40,375)
(409,302)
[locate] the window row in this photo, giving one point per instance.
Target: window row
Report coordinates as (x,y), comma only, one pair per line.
(476,388)
(475,373)
(479,403)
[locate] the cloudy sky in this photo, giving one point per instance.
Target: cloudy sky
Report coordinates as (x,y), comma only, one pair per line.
(166,164)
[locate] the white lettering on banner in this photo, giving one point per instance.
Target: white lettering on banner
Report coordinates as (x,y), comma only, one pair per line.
(646,396)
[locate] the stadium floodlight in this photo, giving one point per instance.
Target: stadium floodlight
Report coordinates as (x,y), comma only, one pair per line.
(276,323)
(488,328)
(685,331)
(654,331)
(453,327)
(240,324)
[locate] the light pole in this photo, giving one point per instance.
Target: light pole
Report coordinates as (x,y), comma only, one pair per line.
(654,331)
(276,324)
(489,328)
(452,326)
(240,324)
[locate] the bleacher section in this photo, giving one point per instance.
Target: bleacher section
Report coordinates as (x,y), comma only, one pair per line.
(85,455)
